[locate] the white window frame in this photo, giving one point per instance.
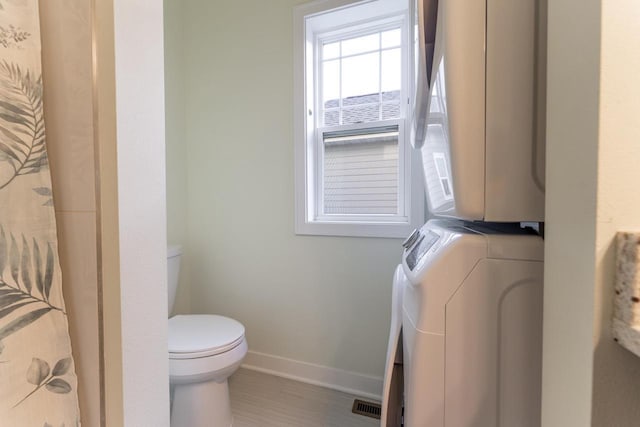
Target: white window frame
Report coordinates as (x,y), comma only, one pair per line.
(307,115)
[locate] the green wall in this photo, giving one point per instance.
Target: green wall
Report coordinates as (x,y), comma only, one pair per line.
(321,300)
(175,137)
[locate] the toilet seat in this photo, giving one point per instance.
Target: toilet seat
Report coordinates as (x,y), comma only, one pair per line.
(203,335)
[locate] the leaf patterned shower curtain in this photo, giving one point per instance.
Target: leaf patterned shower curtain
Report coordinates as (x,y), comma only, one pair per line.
(38,385)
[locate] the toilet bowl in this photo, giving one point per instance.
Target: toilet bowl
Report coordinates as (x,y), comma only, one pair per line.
(204,350)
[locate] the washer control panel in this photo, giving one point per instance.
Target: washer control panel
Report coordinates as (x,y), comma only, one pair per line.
(424,243)
(409,241)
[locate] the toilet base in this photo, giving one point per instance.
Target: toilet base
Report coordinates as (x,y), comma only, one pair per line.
(201,404)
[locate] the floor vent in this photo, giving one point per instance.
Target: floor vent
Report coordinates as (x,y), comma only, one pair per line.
(368,409)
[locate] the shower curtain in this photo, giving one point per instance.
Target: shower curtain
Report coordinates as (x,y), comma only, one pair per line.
(38,385)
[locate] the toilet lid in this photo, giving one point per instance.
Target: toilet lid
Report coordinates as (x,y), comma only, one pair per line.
(199,335)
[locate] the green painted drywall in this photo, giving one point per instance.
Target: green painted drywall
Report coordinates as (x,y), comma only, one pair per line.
(321,300)
(176,147)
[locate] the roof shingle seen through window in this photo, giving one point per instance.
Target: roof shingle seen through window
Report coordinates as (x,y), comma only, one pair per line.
(362,109)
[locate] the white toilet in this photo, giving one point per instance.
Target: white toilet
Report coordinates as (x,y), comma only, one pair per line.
(204,350)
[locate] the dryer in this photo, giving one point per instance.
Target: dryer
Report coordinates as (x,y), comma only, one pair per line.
(471,327)
(480,120)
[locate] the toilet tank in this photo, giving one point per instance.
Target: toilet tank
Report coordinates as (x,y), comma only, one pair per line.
(174,253)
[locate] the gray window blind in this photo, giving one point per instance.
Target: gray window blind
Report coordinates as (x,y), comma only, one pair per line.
(361,171)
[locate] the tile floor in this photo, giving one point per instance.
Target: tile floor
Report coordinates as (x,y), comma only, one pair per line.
(262,400)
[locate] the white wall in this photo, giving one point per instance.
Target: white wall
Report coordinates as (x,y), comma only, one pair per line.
(592,175)
(322,300)
(139,88)
(572,144)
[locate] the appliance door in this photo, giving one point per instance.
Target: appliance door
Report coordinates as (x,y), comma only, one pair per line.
(454,150)
(515,110)
(392,389)
(424,36)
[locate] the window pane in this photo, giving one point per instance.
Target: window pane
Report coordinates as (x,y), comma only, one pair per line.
(394,95)
(331,83)
(363,87)
(331,50)
(391,38)
(361,173)
(361,114)
(434,106)
(390,111)
(361,44)
(332,118)
(438,95)
(391,70)
(362,99)
(360,75)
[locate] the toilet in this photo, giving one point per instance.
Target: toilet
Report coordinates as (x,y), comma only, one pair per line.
(204,350)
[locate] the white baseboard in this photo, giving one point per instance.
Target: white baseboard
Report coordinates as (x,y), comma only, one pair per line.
(361,385)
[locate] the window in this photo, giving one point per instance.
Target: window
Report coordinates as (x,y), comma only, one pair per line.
(353,160)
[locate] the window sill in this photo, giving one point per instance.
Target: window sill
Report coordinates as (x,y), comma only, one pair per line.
(394,230)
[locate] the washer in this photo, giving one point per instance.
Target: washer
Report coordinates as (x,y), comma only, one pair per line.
(471,327)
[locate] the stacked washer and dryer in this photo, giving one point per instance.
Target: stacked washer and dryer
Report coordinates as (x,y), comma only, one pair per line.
(465,346)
